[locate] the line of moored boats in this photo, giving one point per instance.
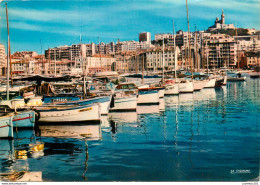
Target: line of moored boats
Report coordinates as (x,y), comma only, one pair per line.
(84,100)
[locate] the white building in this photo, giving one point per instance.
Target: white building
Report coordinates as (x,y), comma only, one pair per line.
(161,36)
(154,59)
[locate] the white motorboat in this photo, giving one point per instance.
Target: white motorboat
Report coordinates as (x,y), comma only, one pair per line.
(148,96)
(123,102)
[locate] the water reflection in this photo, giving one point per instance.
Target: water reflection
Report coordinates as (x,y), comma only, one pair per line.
(88,132)
(171,100)
(123,117)
(14,156)
(147,109)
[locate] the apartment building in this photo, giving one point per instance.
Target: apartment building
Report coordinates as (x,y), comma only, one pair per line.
(221,50)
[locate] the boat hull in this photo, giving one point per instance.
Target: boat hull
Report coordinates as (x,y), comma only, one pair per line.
(128,103)
(148,97)
(236,79)
(211,83)
(24,119)
(104,102)
(186,87)
(6,127)
(161,92)
(75,114)
(198,85)
(172,89)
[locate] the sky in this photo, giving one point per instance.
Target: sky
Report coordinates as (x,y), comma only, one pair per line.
(36,25)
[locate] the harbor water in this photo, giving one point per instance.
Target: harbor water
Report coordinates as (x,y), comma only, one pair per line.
(210,135)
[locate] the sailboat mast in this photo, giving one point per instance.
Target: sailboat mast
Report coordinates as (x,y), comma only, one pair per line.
(163,63)
(175,53)
(55,62)
(9,62)
(189,55)
(237,48)
(207,56)
(143,71)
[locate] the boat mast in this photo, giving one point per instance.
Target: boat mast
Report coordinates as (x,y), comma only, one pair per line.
(196,48)
(163,63)
(84,69)
(143,71)
(9,50)
(237,48)
(189,55)
(175,53)
(207,56)
(49,60)
(54,62)
(8,66)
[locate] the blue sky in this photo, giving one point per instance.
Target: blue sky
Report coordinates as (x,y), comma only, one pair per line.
(59,22)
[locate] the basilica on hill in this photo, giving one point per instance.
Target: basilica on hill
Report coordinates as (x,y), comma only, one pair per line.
(220,24)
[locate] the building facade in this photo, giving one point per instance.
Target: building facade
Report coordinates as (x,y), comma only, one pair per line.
(2,60)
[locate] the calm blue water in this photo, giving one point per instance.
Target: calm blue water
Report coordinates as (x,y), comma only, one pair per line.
(212,135)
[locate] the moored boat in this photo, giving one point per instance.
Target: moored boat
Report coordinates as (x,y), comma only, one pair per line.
(104,101)
(186,86)
(123,102)
(198,85)
(148,95)
(69,114)
(210,83)
(236,79)
(24,119)
(6,126)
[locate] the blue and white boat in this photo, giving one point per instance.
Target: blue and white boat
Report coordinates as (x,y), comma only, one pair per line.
(148,96)
(6,126)
(69,114)
(104,101)
(24,119)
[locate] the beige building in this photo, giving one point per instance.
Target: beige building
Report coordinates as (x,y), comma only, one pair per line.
(96,63)
(221,51)
(253,58)
(2,60)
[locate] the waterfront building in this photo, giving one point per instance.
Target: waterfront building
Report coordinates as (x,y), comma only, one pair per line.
(96,63)
(2,60)
(221,51)
(252,58)
(155,59)
(248,42)
(20,66)
(122,62)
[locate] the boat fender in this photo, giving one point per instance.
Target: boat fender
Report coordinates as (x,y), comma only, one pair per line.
(37,115)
